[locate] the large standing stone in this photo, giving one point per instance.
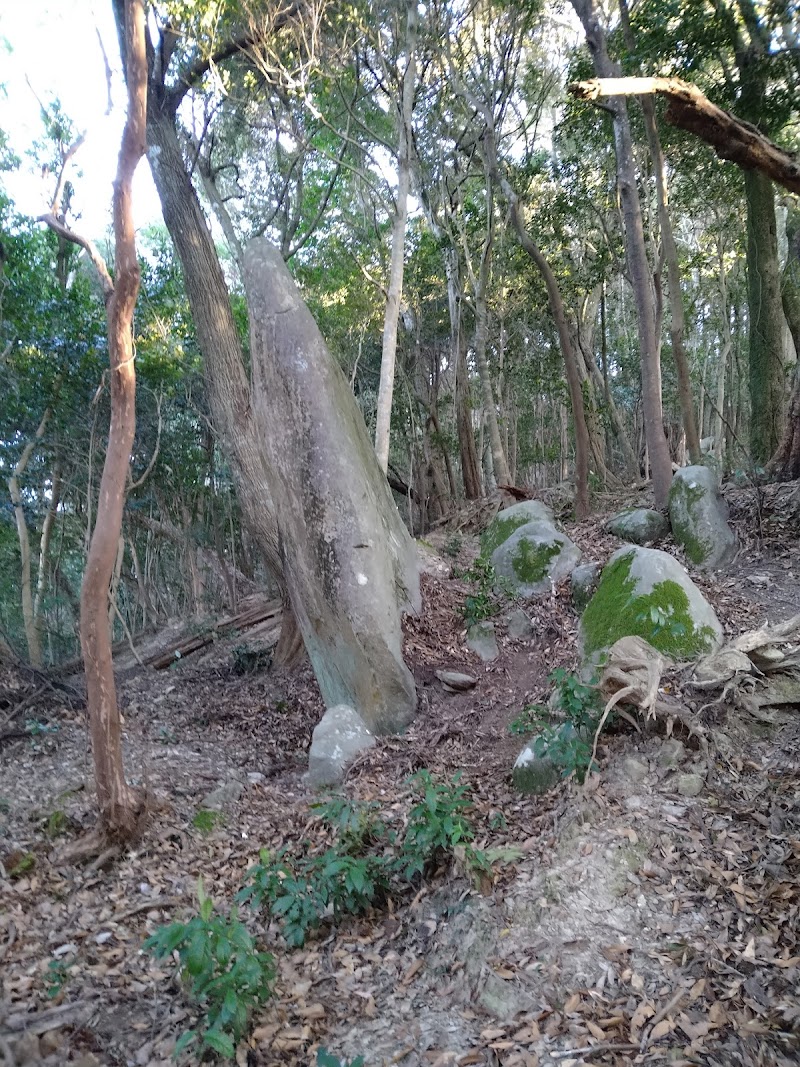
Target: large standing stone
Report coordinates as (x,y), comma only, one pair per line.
(646,593)
(510,519)
(350,564)
(534,557)
(339,736)
(699,518)
(639,526)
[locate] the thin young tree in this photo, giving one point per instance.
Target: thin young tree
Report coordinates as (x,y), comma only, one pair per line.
(120,806)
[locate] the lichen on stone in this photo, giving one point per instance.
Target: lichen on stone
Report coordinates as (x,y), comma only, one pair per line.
(696,548)
(616,611)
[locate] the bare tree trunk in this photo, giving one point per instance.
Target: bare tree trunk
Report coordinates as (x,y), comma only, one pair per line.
(44,544)
(638,265)
(502,475)
(470,465)
(785,464)
(120,805)
(395,288)
(677,317)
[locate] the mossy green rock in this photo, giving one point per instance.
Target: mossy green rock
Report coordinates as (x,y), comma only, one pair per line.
(584,580)
(639,526)
(646,593)
(534,557)
(699,518)
(507,521)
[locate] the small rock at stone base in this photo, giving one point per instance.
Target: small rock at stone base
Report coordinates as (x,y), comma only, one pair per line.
(689,785)
(518,625)
(456,682)
(481,639)
(339,736)
(254,777)
(672,753)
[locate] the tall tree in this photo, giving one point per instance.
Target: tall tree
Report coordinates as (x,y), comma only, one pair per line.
(636,253)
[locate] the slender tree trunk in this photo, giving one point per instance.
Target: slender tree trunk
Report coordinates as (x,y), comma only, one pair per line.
(502,475)
(767,383)
(636,251)
(582,507)
(395,288)
(44,544)
(120,805)
(677,317)
(470,465)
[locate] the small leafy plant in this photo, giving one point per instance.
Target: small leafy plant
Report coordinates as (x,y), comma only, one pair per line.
(437,823)
(57,977)
(247,660)
(529,720)
(481,603)
(662,621)
(223,970)
(454,546)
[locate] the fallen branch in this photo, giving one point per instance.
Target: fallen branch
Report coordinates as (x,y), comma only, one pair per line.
(731,138)
(75,1014)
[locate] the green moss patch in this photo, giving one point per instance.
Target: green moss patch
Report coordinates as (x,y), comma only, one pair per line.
(662,616)
(531,560)
(684,524)
(499,531)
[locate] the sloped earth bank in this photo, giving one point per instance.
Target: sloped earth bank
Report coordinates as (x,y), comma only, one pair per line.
(638,925)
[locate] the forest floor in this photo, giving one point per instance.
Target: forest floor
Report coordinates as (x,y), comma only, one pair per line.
(630,924)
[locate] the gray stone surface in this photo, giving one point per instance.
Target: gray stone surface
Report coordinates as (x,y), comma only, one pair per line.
(536,774)
(639,526)
(634,769)
(584,581)
(349,562)
(646,593)
(689,785)
(518,625)
(481,639)
(339,736)
(455,681)
(672,753)
(699,518)
(535,557)
(223,797)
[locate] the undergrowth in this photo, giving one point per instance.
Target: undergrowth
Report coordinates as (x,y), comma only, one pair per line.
(567,744)
(365,863)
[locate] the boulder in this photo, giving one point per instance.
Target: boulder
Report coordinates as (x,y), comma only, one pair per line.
(510,519)
(339,736)
(534,557)
(518,625)
(699,518)
(646,593)
(481,639)
(223,797)
(584,581)
(639,526)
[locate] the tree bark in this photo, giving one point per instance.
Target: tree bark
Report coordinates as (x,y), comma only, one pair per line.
(767,384)
(120,805)
(395,287)
(785,464)
(636,252)
(228,385)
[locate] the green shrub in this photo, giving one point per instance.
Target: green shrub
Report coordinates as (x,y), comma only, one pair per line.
(326,1059)
(223,970)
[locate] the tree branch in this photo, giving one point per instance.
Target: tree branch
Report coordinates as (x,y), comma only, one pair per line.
(731,138)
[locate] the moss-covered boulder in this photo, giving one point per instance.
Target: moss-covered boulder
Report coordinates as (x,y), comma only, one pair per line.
(639,526)
(534,557)
(699,518)
(584,581)
(646,593)
(535,771)
(507,521)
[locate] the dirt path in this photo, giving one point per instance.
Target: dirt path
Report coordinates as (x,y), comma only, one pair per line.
(660,926)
